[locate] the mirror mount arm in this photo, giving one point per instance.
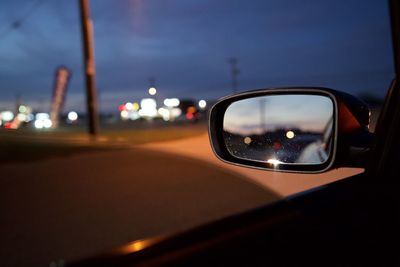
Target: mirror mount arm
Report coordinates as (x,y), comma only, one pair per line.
(358,151)
(354,138)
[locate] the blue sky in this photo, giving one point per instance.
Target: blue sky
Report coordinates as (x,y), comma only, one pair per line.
(185,45)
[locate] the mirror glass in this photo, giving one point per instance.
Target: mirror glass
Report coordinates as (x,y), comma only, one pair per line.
(277,129)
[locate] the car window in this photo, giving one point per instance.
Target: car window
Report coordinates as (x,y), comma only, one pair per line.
(160,66)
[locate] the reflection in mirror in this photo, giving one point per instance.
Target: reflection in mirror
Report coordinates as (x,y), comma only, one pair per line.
(292,129)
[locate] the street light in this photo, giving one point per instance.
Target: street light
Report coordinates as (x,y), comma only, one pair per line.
(202,104)
(152,91)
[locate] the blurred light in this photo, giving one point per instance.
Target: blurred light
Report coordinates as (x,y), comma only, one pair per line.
(8,125)
(7,115)
(38,124)
(134,115)
(148,103)
(191,109)
(290,134)
(148,113)
(30,117)
(189,116)
(135,106)
(43,121)
(136,246)
(202,104)
(22,117)
(148,108)
(165,114)
(121,107)
(152,91)
(275,162)
(176,112)
(22,109)
(47,123)
(72,116)
(163,111)
(171,102)
(277,146)
(42,116)
(129,106)
(247,140)
(124,114)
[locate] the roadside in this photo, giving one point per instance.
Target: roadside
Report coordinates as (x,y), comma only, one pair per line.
(185,140)
(26,145)
(283,184)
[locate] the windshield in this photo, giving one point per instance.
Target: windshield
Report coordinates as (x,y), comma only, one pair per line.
(147,169)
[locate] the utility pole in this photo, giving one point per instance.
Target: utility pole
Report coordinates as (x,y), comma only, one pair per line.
(17,102)
(263,121)
(235,72)
(89,67)
(152,82)
(152,88)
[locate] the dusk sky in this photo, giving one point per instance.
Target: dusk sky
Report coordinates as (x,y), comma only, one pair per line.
(255,115)
(185,46)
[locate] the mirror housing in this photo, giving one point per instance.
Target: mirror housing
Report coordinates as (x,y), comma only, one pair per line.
(349,146)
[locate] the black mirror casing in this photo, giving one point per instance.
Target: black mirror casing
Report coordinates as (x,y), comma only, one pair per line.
(351,137)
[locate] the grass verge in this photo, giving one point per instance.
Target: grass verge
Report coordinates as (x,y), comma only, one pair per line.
(28,145)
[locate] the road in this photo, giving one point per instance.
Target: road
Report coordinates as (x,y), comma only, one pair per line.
(283,184)
(81,203)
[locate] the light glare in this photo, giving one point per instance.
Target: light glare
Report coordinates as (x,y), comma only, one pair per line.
(22,109)
(129,106)
(247,140)
(275,162)
(42,116)
(72,116)
(171,102)
(7,116)
(135,106)
(202,103)
(124,114)
(290,134)
(22,117)
(38,124)
(47,124)
(152,91)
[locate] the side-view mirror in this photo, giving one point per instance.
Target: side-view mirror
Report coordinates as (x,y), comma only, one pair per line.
(291,129)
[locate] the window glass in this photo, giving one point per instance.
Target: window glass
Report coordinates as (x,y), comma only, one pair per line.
(160,66)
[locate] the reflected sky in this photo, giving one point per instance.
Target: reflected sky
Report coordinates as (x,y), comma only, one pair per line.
(268,113)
